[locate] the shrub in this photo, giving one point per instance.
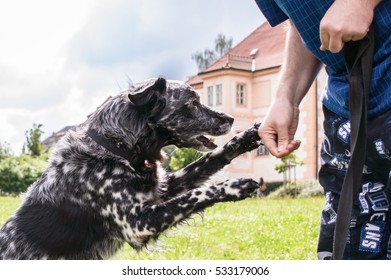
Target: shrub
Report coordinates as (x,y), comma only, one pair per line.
(183,157)
(302,189)
(18,173)
(272,187)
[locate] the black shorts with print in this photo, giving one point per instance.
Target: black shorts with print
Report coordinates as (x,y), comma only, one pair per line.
(369,236)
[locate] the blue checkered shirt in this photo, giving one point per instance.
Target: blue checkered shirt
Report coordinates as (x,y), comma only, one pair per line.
(306,15)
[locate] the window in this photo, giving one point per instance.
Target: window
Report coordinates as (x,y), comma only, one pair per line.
(210,96)
(240,94)
(219,94)
(262,151)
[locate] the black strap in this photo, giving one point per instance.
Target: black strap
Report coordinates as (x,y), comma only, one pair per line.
(116,148)
(359,60)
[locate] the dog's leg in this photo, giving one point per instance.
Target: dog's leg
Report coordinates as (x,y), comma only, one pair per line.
(156,218)
(201,170)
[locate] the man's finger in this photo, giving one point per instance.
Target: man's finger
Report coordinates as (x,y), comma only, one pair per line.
(283,141)
(335,44)
(269,142)
(324,40)
(291,147)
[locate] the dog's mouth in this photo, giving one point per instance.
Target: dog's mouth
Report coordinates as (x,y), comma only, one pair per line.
(200,141)
(207,144)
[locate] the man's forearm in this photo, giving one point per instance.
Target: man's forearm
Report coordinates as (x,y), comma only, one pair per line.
(299,69)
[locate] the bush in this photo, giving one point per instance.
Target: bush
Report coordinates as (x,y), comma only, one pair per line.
(311,188)
(302,189)
(18,173)
(183,157)
(272,187)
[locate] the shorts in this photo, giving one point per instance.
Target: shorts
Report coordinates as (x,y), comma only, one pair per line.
(369,236)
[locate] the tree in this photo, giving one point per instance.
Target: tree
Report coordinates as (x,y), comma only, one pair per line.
(182,157)
(19,172)
(222,44)
(206,57)
(287,163)
(5,150)
(33,143)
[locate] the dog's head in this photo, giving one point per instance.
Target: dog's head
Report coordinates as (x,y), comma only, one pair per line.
(188,121)
(171,109)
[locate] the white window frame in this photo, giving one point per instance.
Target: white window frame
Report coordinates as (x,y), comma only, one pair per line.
(219,94)
(262,151)
(241,94)
(210,95)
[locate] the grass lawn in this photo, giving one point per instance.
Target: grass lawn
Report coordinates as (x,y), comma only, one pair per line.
(267,229)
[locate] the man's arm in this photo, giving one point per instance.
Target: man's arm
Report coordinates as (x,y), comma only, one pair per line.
(346,20)
(298,72)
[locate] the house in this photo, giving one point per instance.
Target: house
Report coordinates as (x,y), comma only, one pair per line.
(242,83)
(53,139)
(56,136)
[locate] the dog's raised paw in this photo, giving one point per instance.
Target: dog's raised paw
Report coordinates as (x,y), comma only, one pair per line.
(238,189)
(247,140)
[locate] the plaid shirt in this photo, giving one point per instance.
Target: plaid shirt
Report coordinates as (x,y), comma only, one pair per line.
(306,15)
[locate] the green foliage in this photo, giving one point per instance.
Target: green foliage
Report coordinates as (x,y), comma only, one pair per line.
(33,143)
(17,173)
(182,157)
(168,151)
(272,186)
(288,162)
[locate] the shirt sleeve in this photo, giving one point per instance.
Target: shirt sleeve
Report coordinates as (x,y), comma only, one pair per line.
(271,11)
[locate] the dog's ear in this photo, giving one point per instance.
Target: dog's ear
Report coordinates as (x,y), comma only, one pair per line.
(149,99)
(148,92)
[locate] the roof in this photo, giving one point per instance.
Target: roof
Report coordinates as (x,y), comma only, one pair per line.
(270,42)
(195,80)
(51,140)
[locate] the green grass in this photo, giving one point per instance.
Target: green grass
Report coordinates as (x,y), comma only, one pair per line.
(267,229)
(8,205)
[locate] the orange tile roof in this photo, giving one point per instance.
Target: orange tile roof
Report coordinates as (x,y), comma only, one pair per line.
(270,43)
(194,80)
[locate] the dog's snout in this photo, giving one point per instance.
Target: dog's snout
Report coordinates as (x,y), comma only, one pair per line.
(226,124)
(230,120)
(227,119)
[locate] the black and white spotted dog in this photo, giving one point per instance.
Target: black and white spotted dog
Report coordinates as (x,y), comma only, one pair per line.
(102,186)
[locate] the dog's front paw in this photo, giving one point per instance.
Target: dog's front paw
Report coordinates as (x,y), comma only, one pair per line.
(247,140)
(238,189)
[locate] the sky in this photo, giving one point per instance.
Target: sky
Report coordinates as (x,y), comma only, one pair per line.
(60,59)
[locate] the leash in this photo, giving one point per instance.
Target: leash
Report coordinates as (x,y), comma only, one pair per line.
(359,61)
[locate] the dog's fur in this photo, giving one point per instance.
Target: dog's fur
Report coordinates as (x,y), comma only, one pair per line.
(102,186)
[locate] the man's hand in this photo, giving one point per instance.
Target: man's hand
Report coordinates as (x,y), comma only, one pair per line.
(346,20)
(279,127)
(299,70)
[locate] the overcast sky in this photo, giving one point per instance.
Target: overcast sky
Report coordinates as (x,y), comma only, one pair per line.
(60,59)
